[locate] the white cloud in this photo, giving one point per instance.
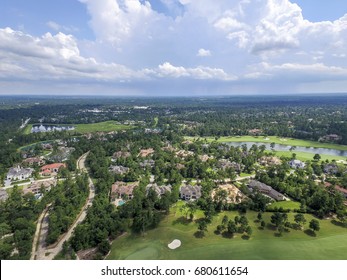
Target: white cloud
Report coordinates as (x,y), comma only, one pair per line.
(251,41)
(52,57)
(57,27)
(168,70)
(203,52)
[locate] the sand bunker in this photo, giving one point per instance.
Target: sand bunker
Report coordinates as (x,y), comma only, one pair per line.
(174,244)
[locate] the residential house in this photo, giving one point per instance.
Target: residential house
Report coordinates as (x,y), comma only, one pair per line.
(146,152)
(147,163)
(121,154)
(160,190)
(295,163)
(36,187)
(19,173)
(118,169)
(122,190)
(152,130)
(53,168)
(47,146)
(330,138)
(234,195)
(265,189)
(265,161)
(331,168)
(34,161)
(255,131)
(184,154)
(205,158)
(224,164)
(189,192)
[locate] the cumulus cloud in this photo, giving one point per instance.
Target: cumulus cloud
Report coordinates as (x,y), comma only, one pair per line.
(52,57)
(250,41)
(168,70)
(203,52)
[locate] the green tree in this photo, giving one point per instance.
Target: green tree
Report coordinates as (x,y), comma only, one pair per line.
(314,225)
(316,157)
(300,219)
(260,216)
(232,229)
(249,230)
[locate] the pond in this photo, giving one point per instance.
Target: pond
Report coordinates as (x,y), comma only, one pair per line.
(49,128)
(281,147)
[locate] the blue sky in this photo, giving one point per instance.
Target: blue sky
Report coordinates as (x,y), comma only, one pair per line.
(173,47)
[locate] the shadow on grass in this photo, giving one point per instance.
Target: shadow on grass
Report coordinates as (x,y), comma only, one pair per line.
(339,224)
(199,234)
(182,220)
(245,237)
(271,227)
(277,234)
(261,228)
(296,226)
(310,232)
(217,232)
(226,234)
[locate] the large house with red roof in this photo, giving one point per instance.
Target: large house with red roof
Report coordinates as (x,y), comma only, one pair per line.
(50,169)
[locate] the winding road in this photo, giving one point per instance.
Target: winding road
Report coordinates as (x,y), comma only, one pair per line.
(40,250)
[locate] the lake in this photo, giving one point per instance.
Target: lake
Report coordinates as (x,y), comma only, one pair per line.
(49,128)
(281,147)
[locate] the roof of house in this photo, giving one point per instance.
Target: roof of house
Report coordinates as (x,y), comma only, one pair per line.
(15,171)
(146,152)
(189,189)
(159,189)
(53,166)
(120,154)
(124,188)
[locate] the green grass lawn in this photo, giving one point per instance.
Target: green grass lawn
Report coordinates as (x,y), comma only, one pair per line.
(100,127)
(287,205)
(277,140)
(27,129)
(156,120)
(307,156)
(330,242)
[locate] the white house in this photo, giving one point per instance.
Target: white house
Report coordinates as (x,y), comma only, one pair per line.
(18,173)
(295,163)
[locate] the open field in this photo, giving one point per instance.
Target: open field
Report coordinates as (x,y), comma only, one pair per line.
(275,139)
(91,127)
(307,156)
(286,205)
(330,242)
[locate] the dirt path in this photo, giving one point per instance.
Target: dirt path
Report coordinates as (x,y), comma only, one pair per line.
(48,253)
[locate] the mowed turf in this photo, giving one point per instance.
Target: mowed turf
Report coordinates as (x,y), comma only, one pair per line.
(100,127)
(330,242)
(307,156)
(286,205)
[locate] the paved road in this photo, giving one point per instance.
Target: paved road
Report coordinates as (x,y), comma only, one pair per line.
(44,253)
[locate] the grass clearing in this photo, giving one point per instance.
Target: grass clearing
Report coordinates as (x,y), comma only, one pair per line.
(100,127)
(330,242)
(275,139)
(286,205)
(303,156)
